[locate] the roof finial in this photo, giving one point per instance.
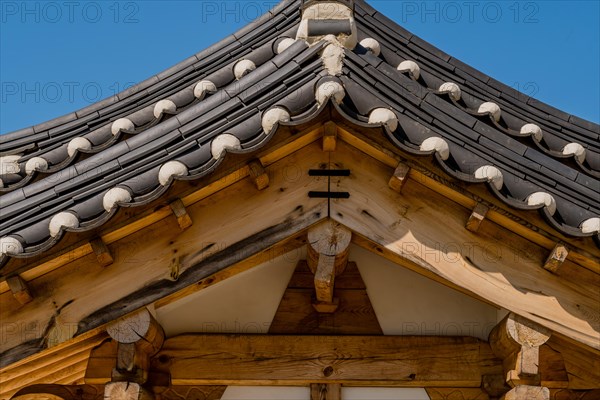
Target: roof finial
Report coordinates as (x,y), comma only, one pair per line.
(332,17)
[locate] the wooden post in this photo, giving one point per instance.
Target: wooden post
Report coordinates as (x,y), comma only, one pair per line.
(327,257)
(477,216)
(183,218)
(126,391)
(399,177)
(139,337)
(557,257)
(524,392)
(329,136)
(325,391)
(517,341)
(19,289)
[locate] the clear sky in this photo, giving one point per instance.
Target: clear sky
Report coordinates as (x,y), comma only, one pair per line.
(59,56)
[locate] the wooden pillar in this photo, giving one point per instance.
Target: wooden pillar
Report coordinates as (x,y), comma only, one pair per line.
(139,337)
(325,391)
(126,391)
(327,257)
(517,341)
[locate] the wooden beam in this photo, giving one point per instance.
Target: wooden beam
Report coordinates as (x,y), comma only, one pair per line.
(477,216)
(457,393)
(102,252)
(329,136)
(139,336)
(183,218)
(327,257)
(302,360)
(502,268)
(522,223)
(231,232)
(325,391)
(19,289)
(525,392)
(556,258)
(258,174)
(64,392)
(399,177)
(126,391)
(190,392)
(517,341)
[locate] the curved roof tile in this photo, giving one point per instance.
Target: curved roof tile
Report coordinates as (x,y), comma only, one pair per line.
(180,124)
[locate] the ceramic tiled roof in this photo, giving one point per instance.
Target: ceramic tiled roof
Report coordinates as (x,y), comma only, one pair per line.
(72,173)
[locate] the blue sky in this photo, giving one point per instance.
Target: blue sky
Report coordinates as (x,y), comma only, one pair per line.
(59,56)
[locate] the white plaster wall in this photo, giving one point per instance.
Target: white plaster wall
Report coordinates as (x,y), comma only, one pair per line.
(407,303)
(244,303)
(266,393)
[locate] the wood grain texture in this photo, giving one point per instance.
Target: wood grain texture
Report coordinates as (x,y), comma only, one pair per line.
(495,264)
(301,360)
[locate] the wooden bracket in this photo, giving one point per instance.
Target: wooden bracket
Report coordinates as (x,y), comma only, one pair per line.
(399,177)
(477,216)
(258,174)
(557,257)
(19,289)
(525,392)
(139,337)
(327,257)
(325,391)
(102,252)
(329,136)
(126,391)
(183,218)
(517,341)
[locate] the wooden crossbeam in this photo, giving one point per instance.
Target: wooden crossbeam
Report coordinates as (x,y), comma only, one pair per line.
(303,360)
(324,391)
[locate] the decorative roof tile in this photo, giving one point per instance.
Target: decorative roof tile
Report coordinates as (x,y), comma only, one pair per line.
(72,173)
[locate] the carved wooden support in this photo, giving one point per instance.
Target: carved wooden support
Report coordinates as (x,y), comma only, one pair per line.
(102,252)
(325,391)
(126,391)
(477,216)
(399,177)
(557,257)
(258,174)
(525,392)
(327,257)
(329,136)
(183,218)
(139,337)
(19,289)
(517,341)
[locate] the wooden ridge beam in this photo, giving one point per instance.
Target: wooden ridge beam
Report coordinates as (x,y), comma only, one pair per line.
(425,361)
